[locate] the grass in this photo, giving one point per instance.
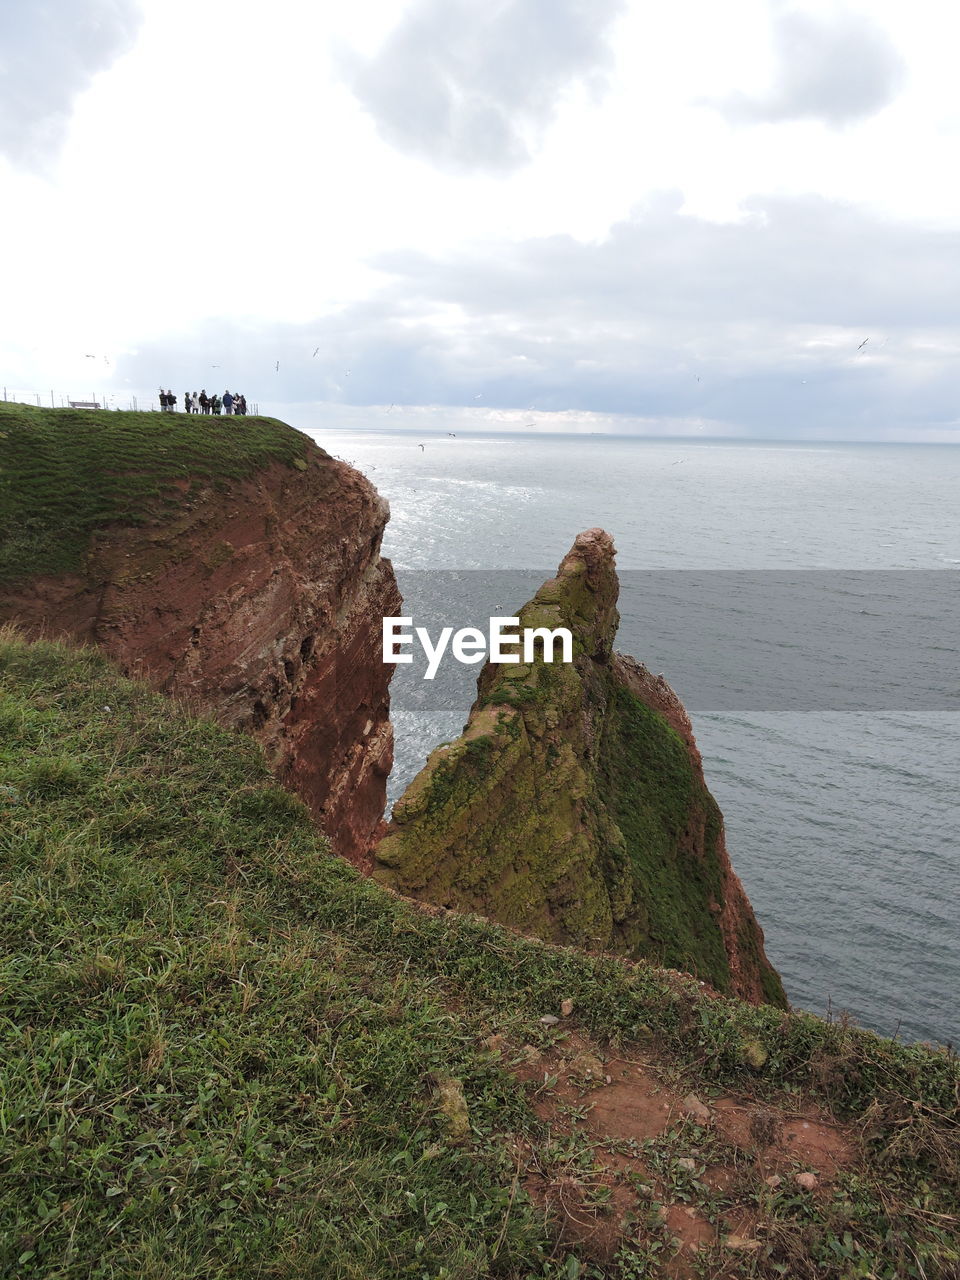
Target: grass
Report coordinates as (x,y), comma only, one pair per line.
(66,473)
(223,1053)
(654,797)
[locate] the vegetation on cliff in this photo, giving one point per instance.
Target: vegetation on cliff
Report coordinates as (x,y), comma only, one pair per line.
(573,808)
(228,560)
(224,1053)
(65,473)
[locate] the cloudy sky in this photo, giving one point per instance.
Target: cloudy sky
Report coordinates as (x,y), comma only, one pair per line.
(725,219)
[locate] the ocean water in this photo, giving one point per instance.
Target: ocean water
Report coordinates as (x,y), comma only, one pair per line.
(804,601)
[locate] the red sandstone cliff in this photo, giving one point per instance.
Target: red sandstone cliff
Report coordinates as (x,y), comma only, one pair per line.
(258,601)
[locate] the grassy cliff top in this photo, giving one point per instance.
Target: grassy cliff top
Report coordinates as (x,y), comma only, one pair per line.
(225,1054)
(66,472)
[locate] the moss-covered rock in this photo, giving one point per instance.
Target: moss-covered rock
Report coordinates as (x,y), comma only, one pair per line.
(574,805)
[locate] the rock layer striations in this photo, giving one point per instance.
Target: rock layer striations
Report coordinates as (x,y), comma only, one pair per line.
(574,805)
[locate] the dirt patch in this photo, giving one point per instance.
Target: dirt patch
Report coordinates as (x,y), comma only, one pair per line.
(691,1231)
(634,1105)
(596,1230)
(657,1163)
(810,1138)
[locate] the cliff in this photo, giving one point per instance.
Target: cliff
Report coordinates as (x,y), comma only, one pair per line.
(224,1052)
(233,564)
(574,805)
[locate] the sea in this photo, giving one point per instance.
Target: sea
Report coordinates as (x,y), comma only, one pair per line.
(804,601)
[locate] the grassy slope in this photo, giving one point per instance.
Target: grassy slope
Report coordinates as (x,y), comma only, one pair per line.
(65,473)
(220,1047)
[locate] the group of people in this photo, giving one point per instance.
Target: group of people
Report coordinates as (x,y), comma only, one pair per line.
(231,402)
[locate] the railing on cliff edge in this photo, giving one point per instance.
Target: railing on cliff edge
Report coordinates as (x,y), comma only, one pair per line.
(121,401)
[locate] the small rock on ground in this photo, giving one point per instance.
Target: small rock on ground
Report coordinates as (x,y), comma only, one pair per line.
(740,1242)
(586,1067)
(695,1108)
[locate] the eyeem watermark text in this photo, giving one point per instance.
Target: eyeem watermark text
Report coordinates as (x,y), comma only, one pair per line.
(470,645)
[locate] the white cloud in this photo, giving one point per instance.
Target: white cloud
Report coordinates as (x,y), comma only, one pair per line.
(777,324)
(51,52)
(837,68)
(472,87)
(221,192)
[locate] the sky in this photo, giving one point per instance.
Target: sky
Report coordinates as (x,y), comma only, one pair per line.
(737,219)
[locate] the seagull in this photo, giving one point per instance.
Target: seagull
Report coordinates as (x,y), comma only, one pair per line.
(277,367)
(479,397)
(315,350)
(421,446)
(863,344)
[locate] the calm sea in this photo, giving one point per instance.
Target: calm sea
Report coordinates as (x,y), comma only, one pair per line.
(803,601)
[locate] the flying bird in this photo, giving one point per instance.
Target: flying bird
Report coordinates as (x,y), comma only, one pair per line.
(421,446)
(863,344)
(315,350)
(277,367)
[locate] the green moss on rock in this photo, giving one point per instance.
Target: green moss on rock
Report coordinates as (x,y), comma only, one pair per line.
(572,807)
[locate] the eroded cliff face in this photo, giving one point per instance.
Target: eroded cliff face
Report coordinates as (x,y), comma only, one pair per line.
(258,601)
(574,804)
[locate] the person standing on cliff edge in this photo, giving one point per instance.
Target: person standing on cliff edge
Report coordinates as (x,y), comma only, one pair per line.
(227,402)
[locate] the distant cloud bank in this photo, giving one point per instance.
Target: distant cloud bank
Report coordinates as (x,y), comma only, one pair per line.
(807,317)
